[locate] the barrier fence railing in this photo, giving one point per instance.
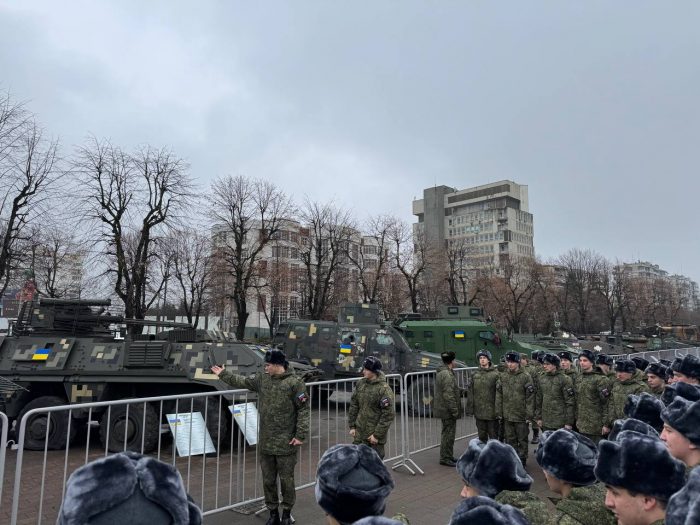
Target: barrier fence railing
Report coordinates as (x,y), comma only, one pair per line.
(3,449)
(666,353)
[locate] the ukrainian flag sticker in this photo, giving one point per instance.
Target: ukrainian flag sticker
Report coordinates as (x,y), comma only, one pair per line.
(42,354)
(345,349)
(459,334)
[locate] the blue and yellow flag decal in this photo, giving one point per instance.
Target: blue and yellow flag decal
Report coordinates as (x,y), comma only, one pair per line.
(42,354)
(345,349)
(459,334)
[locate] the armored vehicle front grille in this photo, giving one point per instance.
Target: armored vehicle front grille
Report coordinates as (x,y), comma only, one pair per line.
(146,353)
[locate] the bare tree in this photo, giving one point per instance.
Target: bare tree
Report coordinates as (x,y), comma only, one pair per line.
(57,262)
(411,256)
(372,258)
(251,212)
(582,269)
(133,199)
(612,286)
(462,276)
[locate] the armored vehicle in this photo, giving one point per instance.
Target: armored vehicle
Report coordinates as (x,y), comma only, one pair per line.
(73,351)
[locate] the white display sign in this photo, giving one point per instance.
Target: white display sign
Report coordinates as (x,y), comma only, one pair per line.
(246,415)
(191,434)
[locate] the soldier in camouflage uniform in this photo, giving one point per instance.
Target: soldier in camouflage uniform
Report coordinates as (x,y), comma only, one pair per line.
(448,407)
(284,426)
(681,431)
(555,401)
(606,362)
(372,408)
(515,404)
(535,370)
(592,393)
(567,459)
(656,378)
(567,365)
(628,381)
(481,397)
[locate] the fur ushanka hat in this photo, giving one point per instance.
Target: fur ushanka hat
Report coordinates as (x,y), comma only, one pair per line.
(568,456)
(588,354)
(625,365)
(275,357)
(377,520)
(688,366)
(657,369)
(551,359)
(684,506)
(127,488)
(352,482)
(680,389)
(645,407)
(684,416)
(640,464)
(634,425)
(640,363)
(492,467)
(484,511)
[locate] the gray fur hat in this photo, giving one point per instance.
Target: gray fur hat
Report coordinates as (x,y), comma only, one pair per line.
(352,482)
(127,488)
(512,357)
(625,365)
(640,464)
(645,407)
(604,359)
(657,369)
(568,456)
(377,520)
(684,506)
(565,354)
(484,511)
(551,359)
(485,353)
(640,363)
(688,366)
(492,467)
(680,389)
(373,364)
(588,354)
(634,425)
(275,357)
(684,416)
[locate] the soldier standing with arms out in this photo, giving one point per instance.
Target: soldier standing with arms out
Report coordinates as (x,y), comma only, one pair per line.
(284,426)
(627,382)
(555,403)
(481,397)
(592,393)
(372,408)
(515,404)
(448,407)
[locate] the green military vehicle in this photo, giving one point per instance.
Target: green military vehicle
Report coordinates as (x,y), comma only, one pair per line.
(73,351)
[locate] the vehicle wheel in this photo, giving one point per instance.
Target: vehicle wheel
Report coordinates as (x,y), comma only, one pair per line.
(38,425)
(218,419)
(421,393)
(120,422)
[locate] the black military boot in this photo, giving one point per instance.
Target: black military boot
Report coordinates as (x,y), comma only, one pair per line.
(274,518)
(286,517)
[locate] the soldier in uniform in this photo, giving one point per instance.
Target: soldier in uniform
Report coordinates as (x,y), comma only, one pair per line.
(681,431)
(687,369)
(284,426)
(592,393)
(515,404)
(656,378)
(556,401)
(626,383)
(606,362)
(567,365)
(534,368)
(372,408)
(448,407)
(481,397)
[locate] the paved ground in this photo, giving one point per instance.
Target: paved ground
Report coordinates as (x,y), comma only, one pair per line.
(425,499)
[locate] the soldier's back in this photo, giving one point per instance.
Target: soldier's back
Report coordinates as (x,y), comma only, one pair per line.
(584,506)
(533,507)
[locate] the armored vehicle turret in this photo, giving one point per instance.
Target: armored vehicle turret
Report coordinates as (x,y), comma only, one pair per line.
(74,351)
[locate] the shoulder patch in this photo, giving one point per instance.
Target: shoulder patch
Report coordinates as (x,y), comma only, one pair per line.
(302,397)
(385,402)
(530,388)
(570,392)
(604,393)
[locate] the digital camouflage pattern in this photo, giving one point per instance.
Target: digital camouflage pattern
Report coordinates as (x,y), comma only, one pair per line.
(515,396)
(584,506)
(283,407)
(555,400)
(481,394)
(372,411)
(534,508)
(592,393)
(447,402)
(618,396)
(282,466)
(657,391)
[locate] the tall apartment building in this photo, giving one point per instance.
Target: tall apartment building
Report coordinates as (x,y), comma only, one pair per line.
(492,220)
(644,269)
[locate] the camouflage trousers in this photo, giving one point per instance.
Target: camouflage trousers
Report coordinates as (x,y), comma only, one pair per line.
(487,429)
(379,448)
(516,437)
(447,439)
(281,467)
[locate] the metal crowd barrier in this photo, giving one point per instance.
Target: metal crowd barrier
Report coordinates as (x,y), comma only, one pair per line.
(3,449)
(666,353)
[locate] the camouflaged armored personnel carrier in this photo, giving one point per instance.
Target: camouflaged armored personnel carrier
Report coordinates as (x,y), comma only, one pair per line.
(73,351)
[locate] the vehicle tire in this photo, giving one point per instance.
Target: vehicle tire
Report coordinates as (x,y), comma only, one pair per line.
(421,394)
(115,423)
(38,424)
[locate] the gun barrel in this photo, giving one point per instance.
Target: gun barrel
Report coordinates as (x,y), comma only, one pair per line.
(74,302)
(164,324)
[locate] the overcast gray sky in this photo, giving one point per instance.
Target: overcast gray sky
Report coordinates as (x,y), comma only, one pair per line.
(594,105)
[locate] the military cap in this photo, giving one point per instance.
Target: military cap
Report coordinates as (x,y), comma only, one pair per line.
(127,488)
(485,511)
(551,359)
(275,357)
(588,354)
(513,357)
(447,357)
(352,482)
(633,425)
(683,415)
(604,359)
(492,467)
(372,363)
(657,369)
(676,363)
(535,355)
(640,363)
(684,506)
(628,462)
(689,366)
(565,355)
(485,353)
(680,389)
(568,456)
(645,407)
(625,365)
(665,362)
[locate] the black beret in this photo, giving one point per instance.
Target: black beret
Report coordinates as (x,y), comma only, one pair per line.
(116,488)
(640,363)
(485,353)
(352,482)
(604,359)
(485,511)
(568,456)
(680,389)
(684,416)
(684,506)
(492,467)
(447,357)
(565,355)
(275,357)
(645,407)
(657,369)
(588,354)
(625,365)
(373,364)
(689,366)
(551,359)
(628,462)
(633,425)
(513,357)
